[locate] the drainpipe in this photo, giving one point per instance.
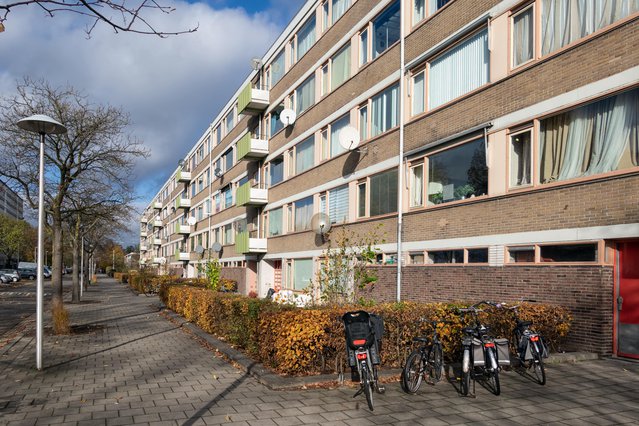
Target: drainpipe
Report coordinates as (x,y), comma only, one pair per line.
(400,168)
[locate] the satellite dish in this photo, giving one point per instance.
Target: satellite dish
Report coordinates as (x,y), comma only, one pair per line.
(256,63)
(191,221)
(217,172)
(349,138)
(216,247)
(287,116)
(199,249)
(320,223)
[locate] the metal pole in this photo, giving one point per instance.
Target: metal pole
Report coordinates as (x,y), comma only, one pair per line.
(40,282)
(81,267)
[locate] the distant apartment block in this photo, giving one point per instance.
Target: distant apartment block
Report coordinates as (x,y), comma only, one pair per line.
(11,203)
(495,143)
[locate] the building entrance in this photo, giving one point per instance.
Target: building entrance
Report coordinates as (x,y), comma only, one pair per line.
(628,300)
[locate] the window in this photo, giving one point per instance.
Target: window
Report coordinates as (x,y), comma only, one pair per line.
(458,173)
(326,22)
(336,127)
(446,256)
(227,197)
(417,185)
(305,37)
(301,274)
(523,254)
(385,110)
(523,37)
(275,222)
(386,29)
(460,70)
(596,138)
(363,47)
(563,22)
(305,95)
(303,214)
(479,255)
(340,67)
(417,104)
(363,123)
(228,233)
(361,199)
(305,155)
(278,68)
(338,8)
(568,253)
(383,193)
(520,159)
(325,146)
(218,134)
(276,123)
(228,159)
(337,204)
(416,258)
(229,122)
(326,83)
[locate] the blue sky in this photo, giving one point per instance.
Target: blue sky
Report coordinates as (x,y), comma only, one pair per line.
(172,88)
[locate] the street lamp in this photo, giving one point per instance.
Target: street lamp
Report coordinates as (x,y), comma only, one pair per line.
(42,125)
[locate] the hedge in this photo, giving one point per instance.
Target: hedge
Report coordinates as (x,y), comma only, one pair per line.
(308,341)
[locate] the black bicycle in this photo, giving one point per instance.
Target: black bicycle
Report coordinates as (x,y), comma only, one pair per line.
(480,359)
(363,341)
(529,345)
(424,363)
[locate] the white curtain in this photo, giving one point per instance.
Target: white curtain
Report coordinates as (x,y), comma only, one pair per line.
(418,11)
(341,67)
(338,204)
(418,93)
(416,186)
(336,128)
(305,37)
(305,95)
(564,21)
(303,214)
(523,43)
(460,70)
(385,113)
(339,7)
(275,222)
(305,155)
(303,273)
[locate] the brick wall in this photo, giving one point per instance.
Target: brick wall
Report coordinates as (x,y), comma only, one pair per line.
(238,275)
(586,290)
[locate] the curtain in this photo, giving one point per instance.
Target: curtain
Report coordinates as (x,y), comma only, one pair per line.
(416,186)
(305,37)
(275,222)
(339,8)
(305,95)
(305,155)
(336,128)
(418,11)
(590,139)
(303,273)
(385,113)
(341,67)
(460,70)
(523,43)
(418,93)
(338,204)
(520,158)
(303,214)
(564,21)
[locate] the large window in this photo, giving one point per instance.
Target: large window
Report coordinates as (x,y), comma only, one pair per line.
(458,173)
(276,123)
(337,204)
(520,159)
(385,110)
(305,155)
(303,214)
(276,171)
(386,29)
(228,159)
(278,68)
(596,138)
(340,67)
(275,222)
(305,37)
(460,70)
(424,8)
(339,7)
(336,127)
(383,193)
(305,95)
(563,21)
(523,37)
(301,273)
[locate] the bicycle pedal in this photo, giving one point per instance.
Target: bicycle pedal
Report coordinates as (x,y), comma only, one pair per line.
(381,389)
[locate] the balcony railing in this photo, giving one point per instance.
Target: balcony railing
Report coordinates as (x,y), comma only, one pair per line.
(158,260)
(157,241)
(143,219)
(244,244)
(182,203)
(157,205)
(182,229)
(252,101)
(250,147)
(183,176)
(143,248)
(182,256)
(143,234)
(247,195)
(158,223)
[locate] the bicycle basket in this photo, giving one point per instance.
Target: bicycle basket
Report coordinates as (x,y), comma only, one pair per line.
(358,329)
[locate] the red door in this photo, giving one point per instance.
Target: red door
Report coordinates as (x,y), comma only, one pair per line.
(628,300)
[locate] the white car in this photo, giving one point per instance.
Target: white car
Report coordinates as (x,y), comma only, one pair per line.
(11,273)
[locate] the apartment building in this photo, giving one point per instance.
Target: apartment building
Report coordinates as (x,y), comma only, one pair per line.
(11,204)
(494,143)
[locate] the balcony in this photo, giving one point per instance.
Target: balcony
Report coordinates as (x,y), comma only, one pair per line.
(143,219)
(158,260)
(143,234)
(182,256)
(158,223)
(157,205)
(182,229)
(244,244)
(157,241)
(143,248)
(249,148)
(183,176)
(182,203)
(249,196)
(252,101)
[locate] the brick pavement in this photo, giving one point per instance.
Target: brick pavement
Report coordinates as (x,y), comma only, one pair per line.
(128,365)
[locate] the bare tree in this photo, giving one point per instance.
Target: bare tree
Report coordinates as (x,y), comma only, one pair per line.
(95,149)
(125,16)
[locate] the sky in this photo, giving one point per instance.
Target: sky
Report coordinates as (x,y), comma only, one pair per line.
(172,88)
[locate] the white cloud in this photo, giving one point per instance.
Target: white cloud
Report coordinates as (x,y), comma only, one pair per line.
(172,87)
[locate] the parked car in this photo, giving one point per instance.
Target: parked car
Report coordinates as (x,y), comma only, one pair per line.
(5,279)
(11,273)
(46,272)
(29,274)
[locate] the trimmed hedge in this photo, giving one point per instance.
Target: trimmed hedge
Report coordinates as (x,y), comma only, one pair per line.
(309,341)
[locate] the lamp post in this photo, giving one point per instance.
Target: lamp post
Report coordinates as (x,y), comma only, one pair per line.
(42,125)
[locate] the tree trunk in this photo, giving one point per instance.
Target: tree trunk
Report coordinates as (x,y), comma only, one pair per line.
(56,260)
(76,265)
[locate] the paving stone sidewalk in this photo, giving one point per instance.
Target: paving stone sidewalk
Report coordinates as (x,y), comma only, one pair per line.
(127,364)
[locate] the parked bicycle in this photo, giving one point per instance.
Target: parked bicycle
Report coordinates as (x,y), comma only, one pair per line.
(529,345)
(363,342)
(424,363)
(482,354)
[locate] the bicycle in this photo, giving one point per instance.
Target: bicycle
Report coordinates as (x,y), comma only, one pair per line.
(480,359)
(529,345)
(363,339)
(427,359)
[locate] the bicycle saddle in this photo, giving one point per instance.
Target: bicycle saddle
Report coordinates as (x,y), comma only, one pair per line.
(420,339)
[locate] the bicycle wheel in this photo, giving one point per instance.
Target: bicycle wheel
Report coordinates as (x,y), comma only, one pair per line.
(493,375)
(435,362)
(465,373)
(368,385)
(538,365)
(413,371)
